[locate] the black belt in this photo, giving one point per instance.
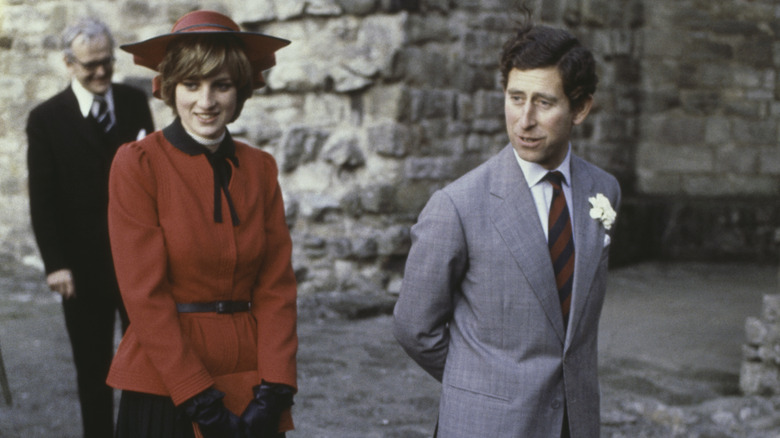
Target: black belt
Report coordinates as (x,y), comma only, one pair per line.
(214,306)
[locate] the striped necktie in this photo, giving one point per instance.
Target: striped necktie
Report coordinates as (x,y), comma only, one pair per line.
(103,114)
(561,243)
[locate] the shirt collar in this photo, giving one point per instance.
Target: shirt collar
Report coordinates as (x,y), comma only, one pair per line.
(85,97)
(183,141)
(534,173)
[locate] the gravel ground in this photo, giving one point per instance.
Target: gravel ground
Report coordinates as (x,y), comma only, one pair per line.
(670,355)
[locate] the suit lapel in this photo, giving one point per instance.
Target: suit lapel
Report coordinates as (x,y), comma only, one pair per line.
(588,241)
(514,215)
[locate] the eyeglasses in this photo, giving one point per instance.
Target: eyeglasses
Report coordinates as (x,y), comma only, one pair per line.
(94,65)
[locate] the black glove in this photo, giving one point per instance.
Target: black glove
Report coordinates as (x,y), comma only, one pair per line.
(213,418)
(261,416)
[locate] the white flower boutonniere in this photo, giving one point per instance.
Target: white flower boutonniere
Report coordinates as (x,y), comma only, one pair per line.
(602,210)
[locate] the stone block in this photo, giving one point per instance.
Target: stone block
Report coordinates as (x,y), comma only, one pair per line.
(770,308)
(357,7)
(750,353)
(386,102)
(364,248)
(378,199)
(258,11)
(745,109)
(340,248)
(296,76)
(481,47)
(394,240)
(756,378)
(424,66)
(737,159)
(701,49)
(770,160)
(718,131)
(422,29)
(664,157)
(350,203)
(729,184)
(390,139)
(674,129)
(652,182)
(314,246)
(659,101)
(431,104)
(768,355)
(700,102)
(300,145)
(342,150)
(315,207)
(762,132)
(431,168)
(323,8)
(346,80)
(488,126)
(755,331)
(756,52)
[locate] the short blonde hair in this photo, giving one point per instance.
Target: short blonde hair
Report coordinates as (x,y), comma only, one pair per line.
(203,56)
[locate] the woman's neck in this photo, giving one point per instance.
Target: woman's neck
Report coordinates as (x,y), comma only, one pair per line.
(212,144)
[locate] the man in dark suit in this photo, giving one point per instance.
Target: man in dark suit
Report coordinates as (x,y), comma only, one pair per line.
(506,275)
(72,138)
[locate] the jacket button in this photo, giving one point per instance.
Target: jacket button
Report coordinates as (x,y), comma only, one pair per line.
(556,404)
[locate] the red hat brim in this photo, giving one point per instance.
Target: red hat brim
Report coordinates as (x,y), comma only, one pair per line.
(259,47)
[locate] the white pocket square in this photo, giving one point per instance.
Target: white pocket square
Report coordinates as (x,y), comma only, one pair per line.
(607,240)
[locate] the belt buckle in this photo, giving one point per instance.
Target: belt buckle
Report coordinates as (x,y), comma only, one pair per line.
(224,307)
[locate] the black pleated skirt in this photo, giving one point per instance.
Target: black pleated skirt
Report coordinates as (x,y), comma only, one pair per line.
(150,416)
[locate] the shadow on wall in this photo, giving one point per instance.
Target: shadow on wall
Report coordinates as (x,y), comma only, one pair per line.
(745,229)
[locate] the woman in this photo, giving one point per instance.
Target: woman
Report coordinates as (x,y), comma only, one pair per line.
(202,250)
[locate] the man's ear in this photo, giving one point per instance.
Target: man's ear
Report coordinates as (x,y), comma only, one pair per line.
(583,110)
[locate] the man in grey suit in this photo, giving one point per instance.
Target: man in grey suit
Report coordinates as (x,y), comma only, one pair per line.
(506,275)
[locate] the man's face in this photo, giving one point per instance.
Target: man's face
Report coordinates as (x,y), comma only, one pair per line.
(92,64)
(539,118)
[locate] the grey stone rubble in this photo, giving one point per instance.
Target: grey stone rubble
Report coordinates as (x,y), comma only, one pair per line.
(760,374)
(670,343)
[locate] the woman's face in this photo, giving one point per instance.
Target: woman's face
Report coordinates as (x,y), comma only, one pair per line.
(206,105)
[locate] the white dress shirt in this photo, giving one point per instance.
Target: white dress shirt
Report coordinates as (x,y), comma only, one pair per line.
(542,191)
(86,99)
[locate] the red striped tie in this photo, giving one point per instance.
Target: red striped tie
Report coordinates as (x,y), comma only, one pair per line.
(561,243)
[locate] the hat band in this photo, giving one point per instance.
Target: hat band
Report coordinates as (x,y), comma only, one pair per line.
(206,25)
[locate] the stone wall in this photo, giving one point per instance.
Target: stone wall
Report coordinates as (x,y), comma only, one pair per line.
(377,103)
(710,103)
(760,372)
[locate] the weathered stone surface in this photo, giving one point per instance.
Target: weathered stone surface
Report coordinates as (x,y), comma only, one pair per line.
(377,103)
(760,373)
(300,145)
(342,150)
(771,308)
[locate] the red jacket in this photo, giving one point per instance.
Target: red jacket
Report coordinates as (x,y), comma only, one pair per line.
(168,249)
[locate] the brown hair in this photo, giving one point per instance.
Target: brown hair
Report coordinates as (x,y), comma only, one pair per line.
(535,46)
(202,56)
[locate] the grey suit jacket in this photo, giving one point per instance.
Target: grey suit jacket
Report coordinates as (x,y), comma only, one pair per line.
(479,308)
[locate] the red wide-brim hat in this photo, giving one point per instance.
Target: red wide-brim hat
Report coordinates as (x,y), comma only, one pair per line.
(259,47)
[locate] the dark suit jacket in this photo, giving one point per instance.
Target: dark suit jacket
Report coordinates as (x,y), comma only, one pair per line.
(68,164)
(479,307)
